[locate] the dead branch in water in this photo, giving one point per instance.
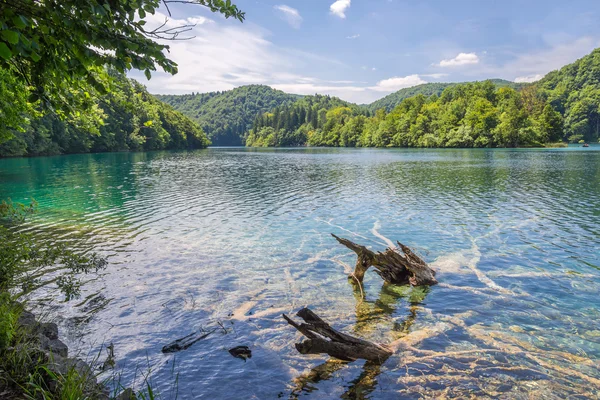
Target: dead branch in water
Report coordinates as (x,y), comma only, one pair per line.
(323,339)
(393,266)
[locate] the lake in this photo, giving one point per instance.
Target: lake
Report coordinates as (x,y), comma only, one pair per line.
(231,238)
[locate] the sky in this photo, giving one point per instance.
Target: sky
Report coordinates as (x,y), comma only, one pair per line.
(362,50)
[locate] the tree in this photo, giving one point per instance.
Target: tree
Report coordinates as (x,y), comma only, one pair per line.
(13,105)
(550,125)
(59,48)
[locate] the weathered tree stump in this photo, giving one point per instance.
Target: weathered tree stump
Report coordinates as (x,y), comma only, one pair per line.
(323,339)
(393,266)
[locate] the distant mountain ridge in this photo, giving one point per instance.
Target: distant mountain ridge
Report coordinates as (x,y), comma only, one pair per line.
(226,116)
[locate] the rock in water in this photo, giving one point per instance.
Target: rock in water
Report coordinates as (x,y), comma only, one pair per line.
(242,352)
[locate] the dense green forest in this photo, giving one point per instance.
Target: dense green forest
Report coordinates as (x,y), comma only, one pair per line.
(130,119)
(390,101)
(290,125)
(574,91)
(227,116)
(563,106)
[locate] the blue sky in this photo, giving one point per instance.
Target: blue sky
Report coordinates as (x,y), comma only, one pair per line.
(362,50)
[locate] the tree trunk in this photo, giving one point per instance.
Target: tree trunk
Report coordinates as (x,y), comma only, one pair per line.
(392,266)
(323,339)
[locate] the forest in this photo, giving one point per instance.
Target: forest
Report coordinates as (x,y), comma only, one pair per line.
(227,116)
(560,108)
(103,110)
(390,101)
(564,106)
(127,118)
(466,115)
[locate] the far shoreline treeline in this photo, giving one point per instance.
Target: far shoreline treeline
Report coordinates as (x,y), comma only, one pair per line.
(562,107)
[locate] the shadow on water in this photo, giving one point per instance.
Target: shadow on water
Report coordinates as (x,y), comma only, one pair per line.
(371,316)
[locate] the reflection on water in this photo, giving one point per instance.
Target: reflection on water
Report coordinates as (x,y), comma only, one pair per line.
(236,237)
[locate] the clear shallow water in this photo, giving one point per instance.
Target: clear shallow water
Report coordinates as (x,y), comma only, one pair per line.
(239,236)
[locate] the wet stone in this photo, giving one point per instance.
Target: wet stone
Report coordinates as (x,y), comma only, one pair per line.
(27,320)
(50,330)
(54,346)
(242,352)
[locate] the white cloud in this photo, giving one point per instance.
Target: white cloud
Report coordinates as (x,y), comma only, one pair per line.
(199,20)
(461,59)
(397,83)
(339,8)
(435,76)
(534,64)
(539,63)
(224,56)
(289,15)
(353,36)
(529,78)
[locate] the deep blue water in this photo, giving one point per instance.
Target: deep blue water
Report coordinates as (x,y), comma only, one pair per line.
(237,236)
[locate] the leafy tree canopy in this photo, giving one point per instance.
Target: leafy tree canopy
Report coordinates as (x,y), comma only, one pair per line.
(58,48)
(227,116)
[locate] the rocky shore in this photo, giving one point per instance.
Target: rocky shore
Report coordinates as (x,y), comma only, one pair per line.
(54,353)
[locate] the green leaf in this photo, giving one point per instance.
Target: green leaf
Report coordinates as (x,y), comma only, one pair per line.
(148,123)
(20,21)
(5,51)
(11,37)
(148,74)
(35,56)
(142,13)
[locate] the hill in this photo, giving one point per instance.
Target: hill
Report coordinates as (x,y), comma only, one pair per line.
(226,116)
(427,89)
(574,91)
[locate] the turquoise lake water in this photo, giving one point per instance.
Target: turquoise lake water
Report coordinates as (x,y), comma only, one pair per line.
(237,237)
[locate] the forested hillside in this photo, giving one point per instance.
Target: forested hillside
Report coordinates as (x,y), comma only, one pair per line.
(427,89)
(227,116)
(563,106)
(574,90)
(466,115)
(290,125)
(129,118)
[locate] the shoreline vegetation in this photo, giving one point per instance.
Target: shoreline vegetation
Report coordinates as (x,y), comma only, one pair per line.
(34,362)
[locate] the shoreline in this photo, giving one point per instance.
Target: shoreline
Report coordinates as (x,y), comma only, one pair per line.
(43,343)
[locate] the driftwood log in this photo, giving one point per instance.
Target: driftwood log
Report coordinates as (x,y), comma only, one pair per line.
(394,267)
(323,339)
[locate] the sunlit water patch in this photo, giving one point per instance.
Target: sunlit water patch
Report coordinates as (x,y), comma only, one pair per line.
(228,239)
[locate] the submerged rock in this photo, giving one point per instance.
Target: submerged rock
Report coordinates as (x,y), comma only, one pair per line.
(242,352)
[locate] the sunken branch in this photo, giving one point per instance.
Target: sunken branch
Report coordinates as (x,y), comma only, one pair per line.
(323,339)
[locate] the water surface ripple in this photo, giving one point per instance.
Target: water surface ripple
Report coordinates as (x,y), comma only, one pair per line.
(237,236)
